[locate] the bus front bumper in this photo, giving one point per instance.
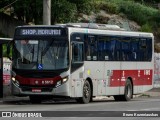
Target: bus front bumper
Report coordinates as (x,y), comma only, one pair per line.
(62,90)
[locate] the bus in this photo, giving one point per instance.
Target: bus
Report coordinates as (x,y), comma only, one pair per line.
(80,61)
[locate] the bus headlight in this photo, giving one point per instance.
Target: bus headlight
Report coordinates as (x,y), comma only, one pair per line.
(64,79)
(15,81)
(60,82)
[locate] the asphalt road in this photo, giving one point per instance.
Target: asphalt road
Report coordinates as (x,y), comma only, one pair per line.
(136,104)
(100,109)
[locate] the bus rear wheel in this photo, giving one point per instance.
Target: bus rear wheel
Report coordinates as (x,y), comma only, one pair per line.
(35,99)
(127,93)
(86,93)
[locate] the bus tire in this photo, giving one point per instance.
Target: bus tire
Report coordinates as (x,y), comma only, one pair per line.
(127,93)
(35,99)
(86,93)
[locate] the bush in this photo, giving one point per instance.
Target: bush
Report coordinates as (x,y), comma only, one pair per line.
(146,28)
(63,12)
(137,12)
(109,7)
(134,11)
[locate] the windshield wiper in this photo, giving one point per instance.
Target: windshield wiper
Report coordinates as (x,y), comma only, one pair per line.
(47,47)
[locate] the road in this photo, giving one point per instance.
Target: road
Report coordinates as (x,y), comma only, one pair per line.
(95,109)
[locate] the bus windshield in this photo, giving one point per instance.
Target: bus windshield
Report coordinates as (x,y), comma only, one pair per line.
(40,54)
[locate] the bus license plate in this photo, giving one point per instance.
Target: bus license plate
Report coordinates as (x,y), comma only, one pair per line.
(36,90)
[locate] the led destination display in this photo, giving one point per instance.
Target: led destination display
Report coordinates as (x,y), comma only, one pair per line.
(40,32)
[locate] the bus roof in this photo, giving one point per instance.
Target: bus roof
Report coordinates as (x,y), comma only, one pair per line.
(94,28)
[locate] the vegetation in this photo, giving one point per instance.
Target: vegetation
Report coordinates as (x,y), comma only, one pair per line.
(136,10)
(68,10)
(64,11)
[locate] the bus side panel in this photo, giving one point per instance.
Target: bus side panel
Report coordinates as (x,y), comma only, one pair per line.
(113,76)
(95,71)
(76,82)
(146,75)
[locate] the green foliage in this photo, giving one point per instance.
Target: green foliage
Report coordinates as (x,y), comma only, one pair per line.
(145,16)
(28,10)
(148,1)
(83,6)
(63,14)
(109,7)
(3,4)
(146,28)
(4,50)
(156,19)
(62,10)
(135,11)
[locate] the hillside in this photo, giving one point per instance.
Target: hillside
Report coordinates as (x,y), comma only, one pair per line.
(103,17)
(131,14)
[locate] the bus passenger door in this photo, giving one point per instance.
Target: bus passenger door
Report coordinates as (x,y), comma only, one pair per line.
(77,69)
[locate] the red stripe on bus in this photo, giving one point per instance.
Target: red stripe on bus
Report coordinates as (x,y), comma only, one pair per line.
(139,77)
(37,81)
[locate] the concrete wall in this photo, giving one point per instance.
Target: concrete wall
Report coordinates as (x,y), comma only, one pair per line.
(8,24)
(157,70)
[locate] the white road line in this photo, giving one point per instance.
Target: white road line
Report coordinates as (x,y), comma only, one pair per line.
(146,109)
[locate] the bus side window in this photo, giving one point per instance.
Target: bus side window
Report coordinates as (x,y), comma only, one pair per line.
(126,49)
(134,49)
(77,52)
(142,49)
(104,52)
(91,48)
(149,49)
(117,51)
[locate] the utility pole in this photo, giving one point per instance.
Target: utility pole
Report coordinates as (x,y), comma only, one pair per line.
(46,12)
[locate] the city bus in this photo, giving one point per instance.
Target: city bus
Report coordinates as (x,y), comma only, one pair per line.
(80,61)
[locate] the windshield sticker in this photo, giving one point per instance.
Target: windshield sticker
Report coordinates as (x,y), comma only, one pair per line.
(33,42)
(40,66)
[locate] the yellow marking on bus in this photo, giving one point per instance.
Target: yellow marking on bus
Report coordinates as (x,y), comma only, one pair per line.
(89,72)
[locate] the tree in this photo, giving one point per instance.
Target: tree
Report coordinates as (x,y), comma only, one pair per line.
(3,4)
(83,6)
(148,1)
(29,10)
(63,11)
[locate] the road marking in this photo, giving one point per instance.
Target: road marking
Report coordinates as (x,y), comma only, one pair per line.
(146,109)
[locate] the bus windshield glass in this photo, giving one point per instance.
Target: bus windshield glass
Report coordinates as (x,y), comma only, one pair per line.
(40,54)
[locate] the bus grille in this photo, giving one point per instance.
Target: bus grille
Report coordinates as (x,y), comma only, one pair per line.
(29,89)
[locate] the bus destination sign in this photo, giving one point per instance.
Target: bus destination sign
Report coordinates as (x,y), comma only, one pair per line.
(53,32)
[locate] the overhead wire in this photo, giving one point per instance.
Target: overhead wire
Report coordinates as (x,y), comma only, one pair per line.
(2,9)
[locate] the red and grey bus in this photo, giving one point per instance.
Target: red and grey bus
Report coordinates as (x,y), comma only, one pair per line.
(81,61)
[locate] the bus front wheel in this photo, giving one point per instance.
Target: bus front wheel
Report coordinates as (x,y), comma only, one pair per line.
(86,93)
